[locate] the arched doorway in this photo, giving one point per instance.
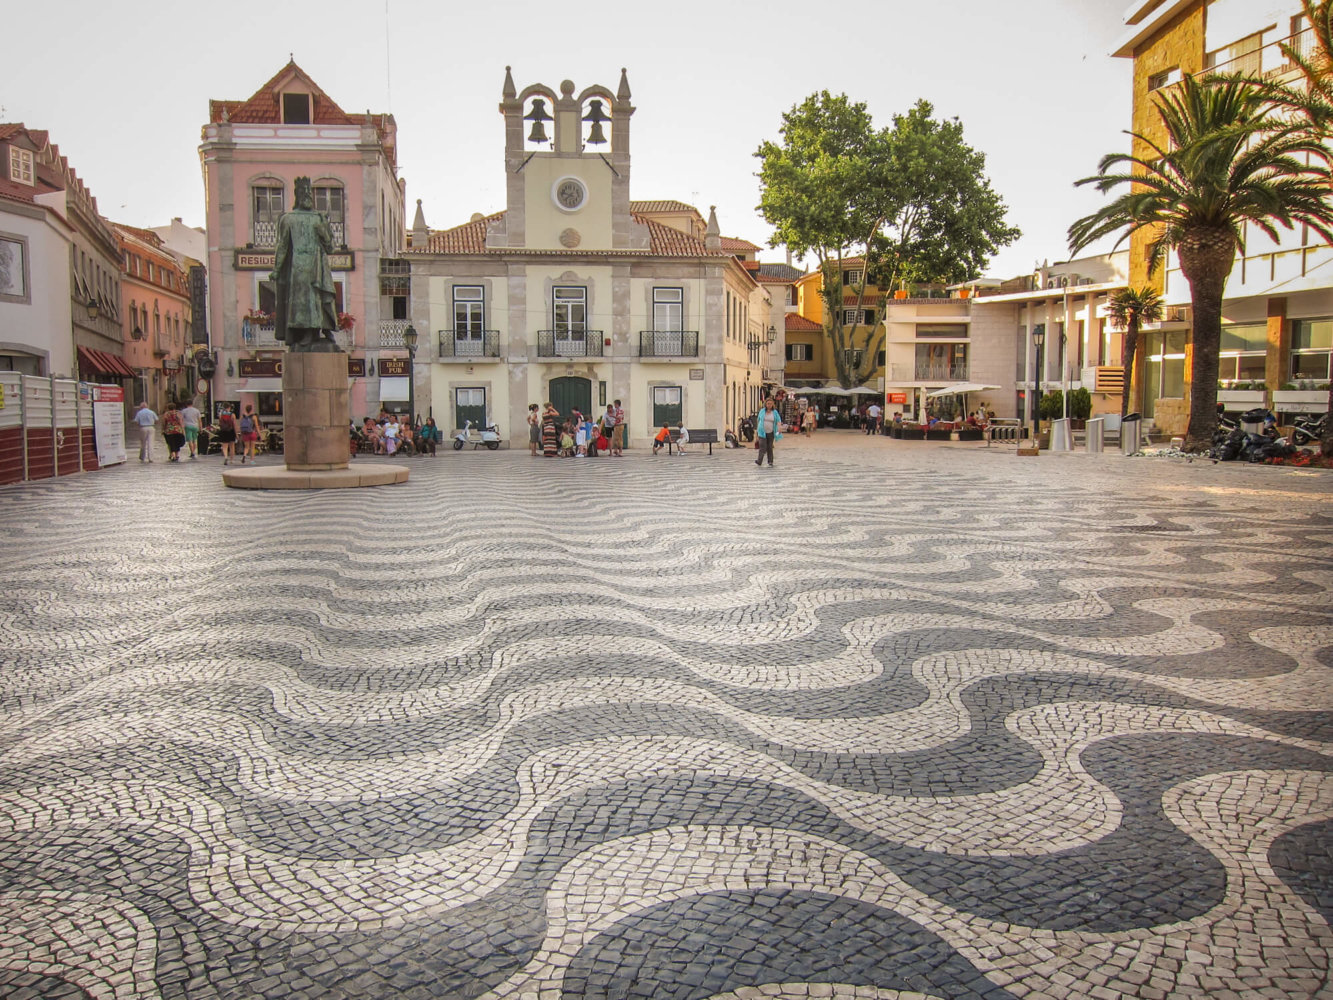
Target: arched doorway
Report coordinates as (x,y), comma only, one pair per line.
(569,393)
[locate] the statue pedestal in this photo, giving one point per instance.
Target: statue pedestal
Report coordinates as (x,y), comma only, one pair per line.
(315,411)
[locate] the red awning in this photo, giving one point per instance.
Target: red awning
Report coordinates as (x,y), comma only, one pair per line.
(107,364)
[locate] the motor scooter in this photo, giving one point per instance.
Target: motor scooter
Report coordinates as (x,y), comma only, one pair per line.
(1309,429)
(490,437)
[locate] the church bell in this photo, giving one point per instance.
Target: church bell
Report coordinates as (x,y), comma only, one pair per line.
(538,117)
(595,117)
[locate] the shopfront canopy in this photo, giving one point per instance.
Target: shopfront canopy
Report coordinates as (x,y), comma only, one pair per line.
(960,389)
(104,363)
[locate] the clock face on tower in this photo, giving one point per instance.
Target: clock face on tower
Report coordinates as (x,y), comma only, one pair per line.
(569,194)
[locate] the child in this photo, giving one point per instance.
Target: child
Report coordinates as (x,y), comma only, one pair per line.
(662,438)
(581,440)
(566,441)
(682,439)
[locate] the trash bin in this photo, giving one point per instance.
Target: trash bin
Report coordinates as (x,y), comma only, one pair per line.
(1096,429)
(1252,421)
(1131,433)
(1061,439)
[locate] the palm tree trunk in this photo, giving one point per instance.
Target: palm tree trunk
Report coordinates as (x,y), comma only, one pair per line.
(1206,258)
(1128,350)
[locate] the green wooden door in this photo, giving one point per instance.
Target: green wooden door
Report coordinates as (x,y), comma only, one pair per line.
(470,404)
(569,393)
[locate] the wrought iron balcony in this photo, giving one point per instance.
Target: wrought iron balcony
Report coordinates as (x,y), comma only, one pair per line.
(391,332)
(569,343)
(264,233)
(339,230)
(469,343)
(668,343)
(928,373)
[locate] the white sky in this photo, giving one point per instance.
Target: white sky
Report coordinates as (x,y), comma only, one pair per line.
(124,89)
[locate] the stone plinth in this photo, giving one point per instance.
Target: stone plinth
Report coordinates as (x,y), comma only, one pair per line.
(315,411)
(271,477)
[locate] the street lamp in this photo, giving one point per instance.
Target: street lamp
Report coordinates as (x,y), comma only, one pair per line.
(410,342)
(1038,341)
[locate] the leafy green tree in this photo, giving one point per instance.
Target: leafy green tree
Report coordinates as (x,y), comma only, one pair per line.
(1223,167)
(908,202)
(1130,308)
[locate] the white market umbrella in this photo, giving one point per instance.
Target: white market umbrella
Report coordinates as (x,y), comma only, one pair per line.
(960,389)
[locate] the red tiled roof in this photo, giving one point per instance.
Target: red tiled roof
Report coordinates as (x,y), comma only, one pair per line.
(871,299)
(263,106)
(796,323)
(735,243)
(471,238)
(16,192)
(8,129)
(643,207)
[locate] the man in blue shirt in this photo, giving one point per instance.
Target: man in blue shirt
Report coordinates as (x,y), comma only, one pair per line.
(147,421)
(768,425)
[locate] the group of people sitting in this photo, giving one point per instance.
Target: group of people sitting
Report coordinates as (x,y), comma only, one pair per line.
(395,435)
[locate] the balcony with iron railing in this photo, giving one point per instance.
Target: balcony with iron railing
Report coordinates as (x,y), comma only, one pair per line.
(668,343)
(391,332)
(264,233)
(469,343)
(928,373)
(569,343)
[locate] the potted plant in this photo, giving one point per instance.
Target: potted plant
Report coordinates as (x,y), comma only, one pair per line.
(1239,394)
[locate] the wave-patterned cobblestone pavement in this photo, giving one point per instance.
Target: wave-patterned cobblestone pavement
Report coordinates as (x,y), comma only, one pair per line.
(885,722)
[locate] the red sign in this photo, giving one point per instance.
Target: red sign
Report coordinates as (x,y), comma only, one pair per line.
(356,367)
(392,367)
(896,397)
(108,394)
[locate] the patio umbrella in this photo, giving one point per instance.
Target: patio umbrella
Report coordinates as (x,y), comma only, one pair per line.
(865,390)
(960,389)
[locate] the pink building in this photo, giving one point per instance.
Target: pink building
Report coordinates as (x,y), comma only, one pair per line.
(252,152)
(157,319)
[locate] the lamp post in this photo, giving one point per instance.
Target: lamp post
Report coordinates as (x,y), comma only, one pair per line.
(1038,341)
(410,342)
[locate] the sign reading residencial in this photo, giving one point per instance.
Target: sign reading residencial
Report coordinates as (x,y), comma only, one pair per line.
(393,367)
(109,424)
(261,368)
(259,260)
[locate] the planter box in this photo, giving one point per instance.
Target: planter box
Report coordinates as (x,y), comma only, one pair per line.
(914,433)
(1300,400)
(1241,399)
(938,435)
(971,434)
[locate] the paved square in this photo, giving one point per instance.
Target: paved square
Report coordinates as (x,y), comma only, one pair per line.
(892,720)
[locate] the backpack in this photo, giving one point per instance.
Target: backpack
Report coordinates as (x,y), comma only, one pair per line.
(247,425)
(227,422)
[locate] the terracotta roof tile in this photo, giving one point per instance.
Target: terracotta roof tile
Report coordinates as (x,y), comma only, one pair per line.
(735,243)
(8,129)
(642,207)
(471,238)
(262,106)
(796,323)
(871,299)
(779,272)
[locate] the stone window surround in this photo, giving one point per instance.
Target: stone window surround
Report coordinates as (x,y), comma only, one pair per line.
(24,269)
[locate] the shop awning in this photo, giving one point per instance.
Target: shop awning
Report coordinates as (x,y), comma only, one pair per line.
(107,364)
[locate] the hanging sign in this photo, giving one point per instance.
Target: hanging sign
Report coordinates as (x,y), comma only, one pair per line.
(261,368)
(393,367)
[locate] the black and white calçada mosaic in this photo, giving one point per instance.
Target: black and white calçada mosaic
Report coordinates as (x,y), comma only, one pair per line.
(881,723)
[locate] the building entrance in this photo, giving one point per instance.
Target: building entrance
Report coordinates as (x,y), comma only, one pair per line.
(569,393)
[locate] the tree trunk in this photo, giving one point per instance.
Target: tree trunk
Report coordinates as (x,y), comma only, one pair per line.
(1206,258)
(1128,350)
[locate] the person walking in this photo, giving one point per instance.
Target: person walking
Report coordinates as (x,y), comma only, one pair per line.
(227,435)
(192,418)
(173,429)
(147,421)
(768,428)
(249,433)
(872,418)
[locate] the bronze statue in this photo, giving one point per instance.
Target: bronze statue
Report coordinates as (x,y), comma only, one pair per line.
(306,313)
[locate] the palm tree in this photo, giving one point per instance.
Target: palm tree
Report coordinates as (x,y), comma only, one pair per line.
(1311,101)
(1224,167)
(1129,308)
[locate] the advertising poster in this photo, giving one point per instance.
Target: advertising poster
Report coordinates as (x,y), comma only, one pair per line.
(109,424)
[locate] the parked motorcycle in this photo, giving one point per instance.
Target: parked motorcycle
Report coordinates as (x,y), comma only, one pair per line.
(490,437)
(1309,430)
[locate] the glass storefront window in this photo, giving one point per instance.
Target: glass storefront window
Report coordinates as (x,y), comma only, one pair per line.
(1312,334)
(1245,337)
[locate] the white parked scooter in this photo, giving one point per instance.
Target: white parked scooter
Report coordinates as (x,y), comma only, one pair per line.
(490,437)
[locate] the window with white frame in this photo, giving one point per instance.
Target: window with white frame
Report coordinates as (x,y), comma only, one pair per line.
(857,317)
(267,201)
(1243,352)
(667,405)
(799,352)
(20,166)
(851,277)
(669,309)
(1164,79)
(570,312)
(14,268)
(469,312)
(332,201)
(853,357)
